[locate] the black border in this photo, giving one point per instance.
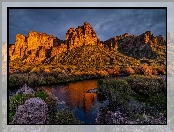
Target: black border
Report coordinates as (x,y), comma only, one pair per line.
(8,8)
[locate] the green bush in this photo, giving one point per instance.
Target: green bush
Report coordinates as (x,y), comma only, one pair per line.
(15,101)
(35,70)
(66,117)
(12,81)
(33,79)
(151,89)
(50,79)
(147,85)
(100,81)
(116,90)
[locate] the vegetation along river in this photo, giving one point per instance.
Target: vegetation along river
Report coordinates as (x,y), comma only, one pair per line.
(80,96)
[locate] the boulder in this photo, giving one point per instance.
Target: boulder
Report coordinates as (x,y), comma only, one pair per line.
(25,90)
(34,111)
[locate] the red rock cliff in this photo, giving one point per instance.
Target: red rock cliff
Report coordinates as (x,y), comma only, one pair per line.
(82,35)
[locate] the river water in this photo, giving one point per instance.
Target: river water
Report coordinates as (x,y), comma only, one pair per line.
(75,95)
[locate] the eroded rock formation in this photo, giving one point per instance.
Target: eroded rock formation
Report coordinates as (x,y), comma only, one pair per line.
(82,35)
(126,40)
(36,47)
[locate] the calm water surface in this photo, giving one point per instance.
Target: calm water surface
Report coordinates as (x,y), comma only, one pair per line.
(75,94)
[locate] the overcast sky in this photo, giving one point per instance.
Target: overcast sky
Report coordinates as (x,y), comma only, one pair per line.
(106,22)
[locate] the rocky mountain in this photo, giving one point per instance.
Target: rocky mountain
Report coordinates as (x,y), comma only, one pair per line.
(41,48)
(35,48)
(132,45)
(82,35)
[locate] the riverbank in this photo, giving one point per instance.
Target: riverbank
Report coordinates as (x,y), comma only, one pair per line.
(135,102)
(28,106)
(47,77)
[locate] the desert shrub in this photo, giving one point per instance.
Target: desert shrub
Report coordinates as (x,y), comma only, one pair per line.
(116,70)
(50,100)
(102,73)
(13,80)
(154,72)
(100,81)
(66,116)
(138,70)
(146,70)
(33,79)
(46,71)
(129,71)
(50,79)
(110,71)
(161,70)
(57,70)
(150,88)
(17,79)
(35,70)
(24,69)
(92,73)
(116,90)
(147,85)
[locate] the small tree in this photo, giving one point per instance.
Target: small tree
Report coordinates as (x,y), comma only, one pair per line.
(147,70)
(129,71)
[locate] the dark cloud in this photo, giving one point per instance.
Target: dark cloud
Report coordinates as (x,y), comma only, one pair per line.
(106,22)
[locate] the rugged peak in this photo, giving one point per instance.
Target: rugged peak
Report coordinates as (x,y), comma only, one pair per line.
(43,34)
(33,33)
(82,35)
(148,32)
(87,25)
(21,38)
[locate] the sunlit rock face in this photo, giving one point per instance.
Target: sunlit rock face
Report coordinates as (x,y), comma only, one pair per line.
(36,47)
(128,41)
(82,35)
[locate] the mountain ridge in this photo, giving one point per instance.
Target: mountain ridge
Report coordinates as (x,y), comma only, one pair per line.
(39,46)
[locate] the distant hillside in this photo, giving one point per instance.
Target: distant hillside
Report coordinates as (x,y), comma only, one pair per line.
(94,57)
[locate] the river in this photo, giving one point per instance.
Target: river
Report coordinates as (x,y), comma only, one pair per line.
(76,96)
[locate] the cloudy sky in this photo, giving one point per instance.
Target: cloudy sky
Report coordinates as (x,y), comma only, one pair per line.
(106,22)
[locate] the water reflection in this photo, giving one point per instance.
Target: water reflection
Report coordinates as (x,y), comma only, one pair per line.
(75,95)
